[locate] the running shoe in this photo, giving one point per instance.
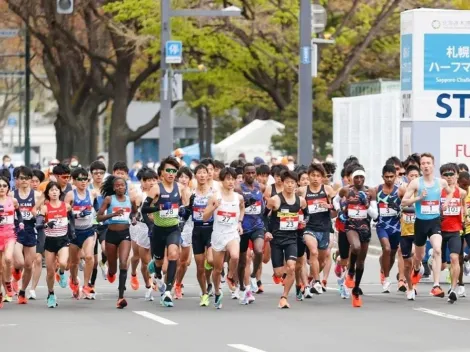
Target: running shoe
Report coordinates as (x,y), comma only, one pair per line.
(112,278)
(75,288)
(32,294)
(159,285)
(386,286)
(178,293)
(466,268)
(166,299)
(62,280)
(52,301)
(277,280)
(401,286)
(7,299)
(356,297)
(104,270)
(135,282)
(437,292)
(249,296)
(253,285)
(87,292)
(338,270)
(149,294)
(236,293)
(316,288)
(260,287)
(382,277)
(452,297)
(218,300)
(299,296)
(349,281)
(411,295)
(344,292)
(416,276)
(22,299)
(308,292)
(323,285)
(242,298)
(16,274)
(121,303)
(283,304)
(204,301)
(461,291)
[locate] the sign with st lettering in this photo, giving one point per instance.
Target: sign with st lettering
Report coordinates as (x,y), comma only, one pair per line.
(455,145)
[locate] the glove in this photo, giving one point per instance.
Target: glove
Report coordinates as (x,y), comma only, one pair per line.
(84,213)
(191,200)
(51,224)
(250,202)
(363,197)
(392,204)
(342,217)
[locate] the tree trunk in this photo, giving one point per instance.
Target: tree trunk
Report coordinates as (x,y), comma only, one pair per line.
(200,127)
(208,134)
(73,139)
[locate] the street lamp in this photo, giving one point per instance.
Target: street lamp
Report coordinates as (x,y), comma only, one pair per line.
(165,125)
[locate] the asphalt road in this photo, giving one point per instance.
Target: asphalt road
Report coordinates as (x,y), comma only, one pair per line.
(386,322)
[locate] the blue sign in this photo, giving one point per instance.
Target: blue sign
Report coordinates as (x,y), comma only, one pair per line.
(447,62)
(406,62)
(173,52)
(305,53)
(11,121)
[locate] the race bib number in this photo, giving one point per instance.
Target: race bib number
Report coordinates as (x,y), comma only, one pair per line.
(197,213)
(254,209)
(357,212)
(170,212)
(409,218)
(61,221)
(315,206)
(430,207)
(26,213)
(77,209)
(124,216)
(7,218)
(454,207)
(385,211)
(289,223)
(226,218)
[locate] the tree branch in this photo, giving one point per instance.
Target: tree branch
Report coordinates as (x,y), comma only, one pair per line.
(154,122)
(149,70)
(346,19)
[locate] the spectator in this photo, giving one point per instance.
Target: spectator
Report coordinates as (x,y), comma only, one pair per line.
(74,163)
(8,166)
(135,169)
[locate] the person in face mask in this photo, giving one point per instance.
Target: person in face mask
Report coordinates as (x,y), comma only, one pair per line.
(8,166)
(291,163)
(48,174)
(74,163)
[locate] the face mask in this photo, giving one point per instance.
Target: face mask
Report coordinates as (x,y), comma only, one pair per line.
(7,164)
(291,166)
(192,166)
(74,163)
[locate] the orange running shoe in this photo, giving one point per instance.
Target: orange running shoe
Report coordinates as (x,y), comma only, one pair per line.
(382,277)
(277,280)
(356,298)
(87,292)
(437,292)
(57,276)
(121,303)
(22,300)
(135,282)
(232,285)
(416,276)
(178,291)
(283,304)
(111,279)
(349,281)
(16,274)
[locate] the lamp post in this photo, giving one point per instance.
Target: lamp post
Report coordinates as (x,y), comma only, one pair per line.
(166,137)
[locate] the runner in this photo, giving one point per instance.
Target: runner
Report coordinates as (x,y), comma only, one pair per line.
(426,193)
(253,230)
(119,209)
(359,209)
(283,225)
(464,183)
(81,200)
(228,209)
(57,220)
(451,225)
(388,223)
(25,247)
(166,234)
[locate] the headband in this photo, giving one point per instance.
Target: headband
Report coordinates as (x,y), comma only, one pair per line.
(359,173)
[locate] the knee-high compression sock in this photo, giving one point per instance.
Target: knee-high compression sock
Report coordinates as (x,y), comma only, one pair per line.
(170,274)
(359,273)
(104,258)
(93,277)
(122,282)
(352,264)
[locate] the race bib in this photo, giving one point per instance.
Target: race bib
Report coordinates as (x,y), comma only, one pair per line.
(123,217)
(226,218)
(289,223)
(169,211)
(385,211)
(26,213)
(77,209)
(430,207)
(197,213)
(454,207)
(60,221)
(408,218)
(357,212)
(254,209)
(7,218)
(314,206)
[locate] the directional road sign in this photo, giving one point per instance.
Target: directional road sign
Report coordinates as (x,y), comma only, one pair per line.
(173,52)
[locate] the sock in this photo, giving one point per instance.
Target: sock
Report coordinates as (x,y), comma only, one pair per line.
(50,293)
(359,273)
(22,293)
(122,282)
(170,274)
(104,258)
(158,271)
(93,277)
(297,289)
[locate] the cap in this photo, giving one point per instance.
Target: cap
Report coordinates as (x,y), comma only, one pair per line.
(258,161)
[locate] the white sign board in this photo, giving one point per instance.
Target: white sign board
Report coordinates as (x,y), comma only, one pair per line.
(177,87)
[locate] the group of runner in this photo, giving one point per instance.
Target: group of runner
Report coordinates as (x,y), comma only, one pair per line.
(241,215)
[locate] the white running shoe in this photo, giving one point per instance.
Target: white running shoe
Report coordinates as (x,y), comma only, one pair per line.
(461,291)
(32,294)
(148,294)
(236,293)
(242,299)
(249,297)
(410,295)
(253,285)
(386,286)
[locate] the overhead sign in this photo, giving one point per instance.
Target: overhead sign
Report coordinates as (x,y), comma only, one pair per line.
(173,52)
(9,32)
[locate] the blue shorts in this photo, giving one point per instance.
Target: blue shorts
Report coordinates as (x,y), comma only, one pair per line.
(322,237)
(82,236)
(393,238)
(27,237)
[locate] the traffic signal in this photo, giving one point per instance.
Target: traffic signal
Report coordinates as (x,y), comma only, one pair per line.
(64,7)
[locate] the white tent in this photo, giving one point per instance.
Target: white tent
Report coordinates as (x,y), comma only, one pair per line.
(254,140)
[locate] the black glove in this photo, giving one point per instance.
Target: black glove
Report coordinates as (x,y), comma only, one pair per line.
(191,200)
(51,224)
(392,204)
(250,202)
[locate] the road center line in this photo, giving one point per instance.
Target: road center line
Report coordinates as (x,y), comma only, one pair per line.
(440,314)
(7,325)
(245,348)
(155,318)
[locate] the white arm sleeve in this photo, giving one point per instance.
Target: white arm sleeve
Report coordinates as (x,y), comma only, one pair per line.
(336,204)
(373,211)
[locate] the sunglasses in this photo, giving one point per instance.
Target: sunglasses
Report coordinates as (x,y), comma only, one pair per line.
(82,179)
(24,178)
(171,171)
(65,177)
(448,174)
(402,174)
(3,185)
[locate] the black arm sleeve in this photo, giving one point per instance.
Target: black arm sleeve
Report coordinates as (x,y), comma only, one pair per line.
(146,208)
(19,217)
(71,221)
(40,222)
(96,206)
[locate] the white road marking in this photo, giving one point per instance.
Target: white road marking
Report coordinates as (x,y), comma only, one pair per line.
(7,325)
(245,348)
(155,318)
(440,314)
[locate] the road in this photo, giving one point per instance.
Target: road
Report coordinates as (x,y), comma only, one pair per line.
(386,322)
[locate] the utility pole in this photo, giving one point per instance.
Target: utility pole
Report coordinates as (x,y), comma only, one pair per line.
(27,98)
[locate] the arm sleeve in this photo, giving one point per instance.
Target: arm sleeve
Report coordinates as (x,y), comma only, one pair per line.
(146,208)
(19,216)
(373,211)
(96,206)
(40,222)
(71,221)
(336,202)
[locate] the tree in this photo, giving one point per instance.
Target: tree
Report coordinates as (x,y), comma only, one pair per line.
(92,57)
